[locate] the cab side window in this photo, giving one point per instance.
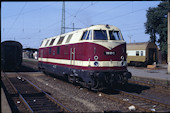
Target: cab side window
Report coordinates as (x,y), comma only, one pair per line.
(89,37)
(84,35)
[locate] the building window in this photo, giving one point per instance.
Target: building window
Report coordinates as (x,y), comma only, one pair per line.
(58,50)
(52,41)
(60,40)
(69,37)
(137,53)
(141,53)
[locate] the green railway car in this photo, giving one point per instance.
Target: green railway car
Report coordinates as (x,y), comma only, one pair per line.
(142,54)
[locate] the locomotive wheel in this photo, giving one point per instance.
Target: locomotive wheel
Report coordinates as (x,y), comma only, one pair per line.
(96,85)
(71,79)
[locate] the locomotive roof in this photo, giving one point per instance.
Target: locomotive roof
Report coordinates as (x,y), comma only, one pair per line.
(92,27)
(140,46)
(76,35)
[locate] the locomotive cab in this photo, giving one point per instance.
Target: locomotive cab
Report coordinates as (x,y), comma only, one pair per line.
(106,54)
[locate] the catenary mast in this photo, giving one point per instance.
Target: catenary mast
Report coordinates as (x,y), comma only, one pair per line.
(63,19)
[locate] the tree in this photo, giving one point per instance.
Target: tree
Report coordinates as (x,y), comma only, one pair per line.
(156,25)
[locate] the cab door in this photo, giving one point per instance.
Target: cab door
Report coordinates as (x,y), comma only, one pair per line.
(72,56)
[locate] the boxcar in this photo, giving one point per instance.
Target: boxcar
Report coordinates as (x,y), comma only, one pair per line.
(142,54)
(11,55)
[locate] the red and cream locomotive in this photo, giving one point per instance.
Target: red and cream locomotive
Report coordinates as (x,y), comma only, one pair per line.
(94,57)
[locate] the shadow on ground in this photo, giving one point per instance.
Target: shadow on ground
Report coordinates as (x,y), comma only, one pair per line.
(22,68)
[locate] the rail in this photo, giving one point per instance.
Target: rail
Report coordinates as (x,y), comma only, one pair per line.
(144,99)
(141,103)
(50,97)
(148,84)
(35,95)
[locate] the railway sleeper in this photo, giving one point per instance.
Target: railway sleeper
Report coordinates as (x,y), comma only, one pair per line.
(36,101)
(50,111)
(52,107)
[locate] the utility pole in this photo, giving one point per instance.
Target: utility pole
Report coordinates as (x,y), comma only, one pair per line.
(130,36)
(168,41)
(73,26)
(63,19)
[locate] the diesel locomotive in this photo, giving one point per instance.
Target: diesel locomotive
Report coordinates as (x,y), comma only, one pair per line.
(94,57)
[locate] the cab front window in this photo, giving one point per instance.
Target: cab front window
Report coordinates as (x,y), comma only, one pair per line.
(100,35)
(115,35)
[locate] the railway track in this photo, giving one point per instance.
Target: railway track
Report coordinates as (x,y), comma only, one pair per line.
(149,84)
(30,98)
(138,102)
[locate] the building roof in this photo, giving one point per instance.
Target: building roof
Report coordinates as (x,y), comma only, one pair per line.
(28,49)
(137,46)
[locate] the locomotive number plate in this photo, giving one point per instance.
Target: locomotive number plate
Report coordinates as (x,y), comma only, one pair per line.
(110,53)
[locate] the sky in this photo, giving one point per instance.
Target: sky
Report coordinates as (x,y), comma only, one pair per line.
(31,22)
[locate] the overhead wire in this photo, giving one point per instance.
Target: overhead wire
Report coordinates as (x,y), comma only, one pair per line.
(122,15)
(75,16)
(16,18)
(85,23)
(57,22)
(87,7)
(108,10)
(30,11)
(77,12)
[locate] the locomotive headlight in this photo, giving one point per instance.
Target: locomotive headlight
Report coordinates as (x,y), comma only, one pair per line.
(123,63)
(96,64)
(122,58)
(96,58)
